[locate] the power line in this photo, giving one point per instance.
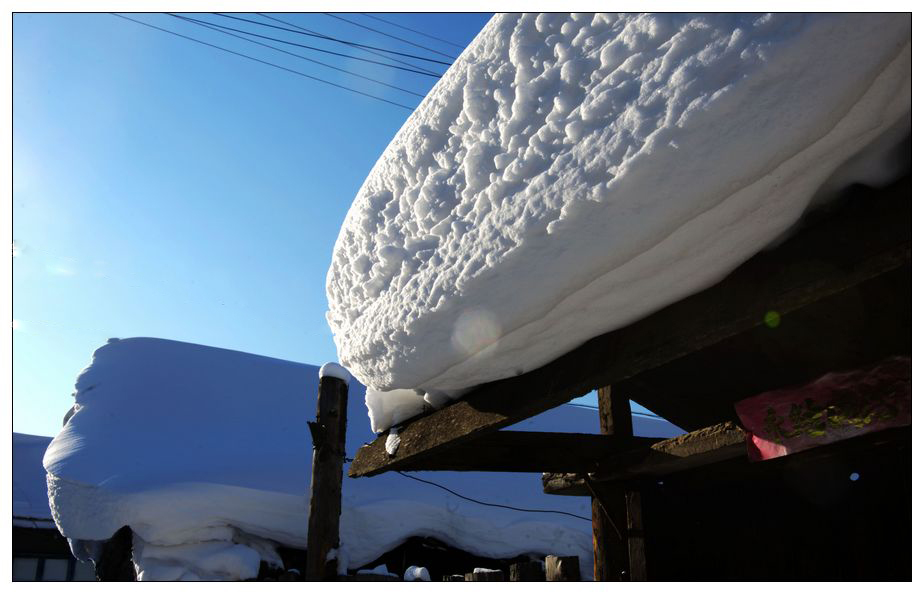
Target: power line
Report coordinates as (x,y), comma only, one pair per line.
(634,412)
(310,47)
(321,80)
(207,26)
(390,35)
(328,37)
(520,509)
(368,51)
(366,14)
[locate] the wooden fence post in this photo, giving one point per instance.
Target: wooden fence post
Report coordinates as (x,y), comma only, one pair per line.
(562,569)
(527,571)
(328,436)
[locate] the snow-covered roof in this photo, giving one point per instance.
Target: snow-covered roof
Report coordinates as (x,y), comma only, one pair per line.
(572,173)
(30,495)
(205,453)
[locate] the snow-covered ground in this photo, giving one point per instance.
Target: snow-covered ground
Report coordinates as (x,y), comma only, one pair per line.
(30,497)
(205,453)
(570,174)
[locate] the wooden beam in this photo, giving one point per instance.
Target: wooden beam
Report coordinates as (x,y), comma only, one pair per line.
(867,238)
(725,451)
(691,450)
(519,451)
(858,326)
(328,434)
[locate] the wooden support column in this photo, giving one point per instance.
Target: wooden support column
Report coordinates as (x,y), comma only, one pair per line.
(608,502)
(635,537)
(328,435)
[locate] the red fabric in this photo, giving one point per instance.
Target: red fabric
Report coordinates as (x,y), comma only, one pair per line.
(833,407)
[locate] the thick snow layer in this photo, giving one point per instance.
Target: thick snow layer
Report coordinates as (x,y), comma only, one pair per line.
(570,174)
(30,496)
(204,452)
(334,370)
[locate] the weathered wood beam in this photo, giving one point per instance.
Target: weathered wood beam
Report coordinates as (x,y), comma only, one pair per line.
(852,329)
(691,450)
(725,452)
(523,451)
(828,256)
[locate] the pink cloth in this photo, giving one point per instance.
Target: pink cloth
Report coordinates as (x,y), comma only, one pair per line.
(833,407)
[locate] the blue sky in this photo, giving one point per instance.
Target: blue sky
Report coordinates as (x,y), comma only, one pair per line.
(164,188)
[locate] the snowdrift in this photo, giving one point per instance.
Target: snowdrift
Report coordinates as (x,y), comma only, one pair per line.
(205,454)
(570,174)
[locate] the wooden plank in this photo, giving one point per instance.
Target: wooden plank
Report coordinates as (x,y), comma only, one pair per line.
(573,484)
(562,569)
(868,237)
(524,451)
(697,448)
(328,434)
(861,325)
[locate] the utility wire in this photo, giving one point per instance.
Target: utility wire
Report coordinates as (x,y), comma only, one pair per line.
(311,47)
(520,509)
(368,51)
(394,24)
(634,412)
(328,37)
(390,35)
(321,80)
(207,26)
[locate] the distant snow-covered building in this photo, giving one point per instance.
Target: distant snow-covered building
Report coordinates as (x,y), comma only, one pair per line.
(204,454)
(39,551)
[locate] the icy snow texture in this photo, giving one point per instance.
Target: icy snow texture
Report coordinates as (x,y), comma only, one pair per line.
(570,174)
(204,452)
(30,496)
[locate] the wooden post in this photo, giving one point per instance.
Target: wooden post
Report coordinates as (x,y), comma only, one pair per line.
(527,571)
(328,435)
(635,536)
(611,559)
(562,569)
(115,561)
